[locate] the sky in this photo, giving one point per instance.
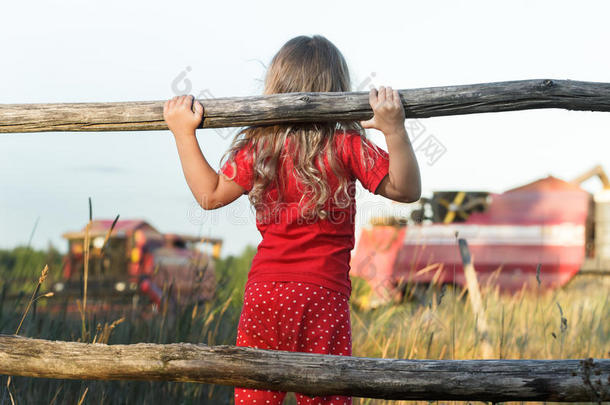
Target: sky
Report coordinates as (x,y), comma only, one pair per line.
(78,51)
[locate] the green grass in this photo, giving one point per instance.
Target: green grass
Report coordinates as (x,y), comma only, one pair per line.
(22,266)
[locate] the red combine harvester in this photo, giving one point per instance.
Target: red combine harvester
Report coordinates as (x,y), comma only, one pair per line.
(138,262)
(550,222)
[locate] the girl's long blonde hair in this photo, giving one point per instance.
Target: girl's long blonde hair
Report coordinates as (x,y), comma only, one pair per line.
(303,64)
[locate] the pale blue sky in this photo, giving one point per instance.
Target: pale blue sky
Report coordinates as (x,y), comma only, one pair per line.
(70,51)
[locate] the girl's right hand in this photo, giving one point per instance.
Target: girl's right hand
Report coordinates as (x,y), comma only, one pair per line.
(183,115)
(389,113)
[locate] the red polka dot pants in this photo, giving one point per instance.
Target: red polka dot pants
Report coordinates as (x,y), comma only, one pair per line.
(297,317)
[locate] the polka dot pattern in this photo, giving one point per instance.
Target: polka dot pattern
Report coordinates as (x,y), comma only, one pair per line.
(297,317)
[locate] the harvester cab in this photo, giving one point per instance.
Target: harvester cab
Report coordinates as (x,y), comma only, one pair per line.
(133,261)
(450,206)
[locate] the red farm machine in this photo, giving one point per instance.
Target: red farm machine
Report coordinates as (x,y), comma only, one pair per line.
(540,234)
(137,263)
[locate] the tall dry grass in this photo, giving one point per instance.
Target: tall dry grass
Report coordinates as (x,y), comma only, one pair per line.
(572,322)
(566,323)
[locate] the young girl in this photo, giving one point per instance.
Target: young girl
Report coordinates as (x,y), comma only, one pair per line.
(300,178)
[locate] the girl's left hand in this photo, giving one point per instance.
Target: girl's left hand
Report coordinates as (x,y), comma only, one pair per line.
(179,115)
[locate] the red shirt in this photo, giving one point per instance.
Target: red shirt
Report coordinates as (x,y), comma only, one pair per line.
(294,249)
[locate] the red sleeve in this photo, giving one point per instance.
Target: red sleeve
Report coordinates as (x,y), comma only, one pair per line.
(371,171)
(239,169)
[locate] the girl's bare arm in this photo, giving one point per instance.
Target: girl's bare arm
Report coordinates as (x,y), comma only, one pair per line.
(403,182)
(209,189)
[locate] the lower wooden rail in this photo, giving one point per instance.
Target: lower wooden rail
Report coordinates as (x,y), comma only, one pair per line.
(312,374)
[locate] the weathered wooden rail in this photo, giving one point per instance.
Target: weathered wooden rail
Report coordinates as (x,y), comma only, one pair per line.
(313,374)
(310,107)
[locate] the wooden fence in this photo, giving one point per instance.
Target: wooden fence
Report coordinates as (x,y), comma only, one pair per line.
(313,374)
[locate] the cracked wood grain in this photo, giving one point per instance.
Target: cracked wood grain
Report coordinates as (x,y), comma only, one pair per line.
(312,374)
(309,107)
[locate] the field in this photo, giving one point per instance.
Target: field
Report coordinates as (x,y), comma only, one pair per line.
(439,324)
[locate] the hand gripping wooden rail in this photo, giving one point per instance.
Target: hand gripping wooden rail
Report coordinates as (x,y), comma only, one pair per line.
(310,107)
